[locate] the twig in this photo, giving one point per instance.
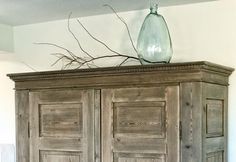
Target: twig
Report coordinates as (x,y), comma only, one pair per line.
(123,61)
(101,42)
(89,61)
(107,56)
(60,47)
(61,56)
(126,26)
(77,40)
(29,66)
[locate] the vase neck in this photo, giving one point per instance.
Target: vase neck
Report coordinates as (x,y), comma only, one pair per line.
(153,8)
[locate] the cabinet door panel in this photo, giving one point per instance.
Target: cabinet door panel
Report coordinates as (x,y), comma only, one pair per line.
(62,127)
(140,124)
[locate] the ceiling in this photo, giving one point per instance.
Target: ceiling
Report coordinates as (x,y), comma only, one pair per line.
(21,12)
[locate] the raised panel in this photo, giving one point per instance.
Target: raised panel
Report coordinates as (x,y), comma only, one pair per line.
(145,119)
(52,156)
(139,158)
(215,157)
(144,145)
(214,118)
(63,119)
(62,129)
(140,124)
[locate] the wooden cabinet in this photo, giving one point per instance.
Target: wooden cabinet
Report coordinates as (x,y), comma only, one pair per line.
(158,113)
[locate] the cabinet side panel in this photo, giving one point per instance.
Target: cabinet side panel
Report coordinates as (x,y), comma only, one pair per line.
(215,122)
(191,139)
(22,124)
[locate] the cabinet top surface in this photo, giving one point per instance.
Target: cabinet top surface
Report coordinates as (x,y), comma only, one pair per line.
(171,67)
(125,76)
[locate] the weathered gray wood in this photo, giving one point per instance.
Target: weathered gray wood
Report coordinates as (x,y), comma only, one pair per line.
(172,121)
(106,126)
(97,125)
(125,76)
(123,114)
(52,156)
(214,118)
(191,119)
(22,126)
(215,121)
(215,144)
(127,117)
(139,121)
(64,125)
(215,157)
(64,120)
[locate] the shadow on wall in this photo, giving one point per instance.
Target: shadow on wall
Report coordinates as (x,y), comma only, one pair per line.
(7,153)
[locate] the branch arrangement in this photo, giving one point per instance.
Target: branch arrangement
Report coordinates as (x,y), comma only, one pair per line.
(88,60)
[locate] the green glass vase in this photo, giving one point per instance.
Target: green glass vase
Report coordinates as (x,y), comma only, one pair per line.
(154,42)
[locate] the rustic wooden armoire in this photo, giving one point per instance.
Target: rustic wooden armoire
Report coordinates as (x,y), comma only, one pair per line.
(157,113)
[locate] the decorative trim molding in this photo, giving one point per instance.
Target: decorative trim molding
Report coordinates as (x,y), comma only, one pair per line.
(159,68)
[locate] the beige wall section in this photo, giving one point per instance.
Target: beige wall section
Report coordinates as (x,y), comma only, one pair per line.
(6,39)
(201,31)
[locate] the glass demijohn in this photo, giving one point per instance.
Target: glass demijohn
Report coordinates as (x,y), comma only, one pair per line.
(154,42)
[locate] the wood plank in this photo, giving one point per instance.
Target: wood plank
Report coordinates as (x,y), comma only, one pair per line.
(191,143)
(215,144)
(129,76)
(106,120)
(89,133)
(97,125)
(173,117)
(140,145)
(61,144)
(22,126)
(60,156)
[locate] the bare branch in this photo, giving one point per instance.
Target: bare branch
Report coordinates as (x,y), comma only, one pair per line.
(101,42)
(60,57)
(29,66)
(89,60)
(123,61)
(77,40)
(60,47)
(126,26)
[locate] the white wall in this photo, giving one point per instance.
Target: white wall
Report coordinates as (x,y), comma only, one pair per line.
(204,31)
(6,38)
(8,64)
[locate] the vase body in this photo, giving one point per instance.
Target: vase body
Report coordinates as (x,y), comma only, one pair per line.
(154,42)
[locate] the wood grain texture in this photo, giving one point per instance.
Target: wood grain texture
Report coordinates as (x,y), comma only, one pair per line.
(214,118)
(139,121)
(191,119)
(60,120)
(139,118)
(124,76)
(52,156)
(126,157)
(215,157)
(62,125)
(97,125)
(154,113)
(215,124)
(22,126)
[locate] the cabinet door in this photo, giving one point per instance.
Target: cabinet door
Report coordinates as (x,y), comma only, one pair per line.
(61,126)
(140,124)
